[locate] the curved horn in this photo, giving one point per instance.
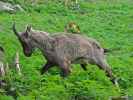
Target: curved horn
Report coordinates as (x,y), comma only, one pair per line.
(14,29)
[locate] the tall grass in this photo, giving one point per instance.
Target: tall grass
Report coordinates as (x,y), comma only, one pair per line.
(110,22)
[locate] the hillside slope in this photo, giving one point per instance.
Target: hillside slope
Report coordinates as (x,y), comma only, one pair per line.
(109,22)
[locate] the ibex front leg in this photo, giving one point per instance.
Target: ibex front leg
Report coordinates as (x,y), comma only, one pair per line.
(84,66)
(65,70)
(46,67)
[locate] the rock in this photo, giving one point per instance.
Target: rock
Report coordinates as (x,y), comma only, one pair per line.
(119,98)
(9,7)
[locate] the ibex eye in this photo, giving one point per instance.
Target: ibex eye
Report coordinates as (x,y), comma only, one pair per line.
(25,35)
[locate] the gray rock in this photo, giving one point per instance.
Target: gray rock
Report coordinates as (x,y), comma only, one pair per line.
(9,7)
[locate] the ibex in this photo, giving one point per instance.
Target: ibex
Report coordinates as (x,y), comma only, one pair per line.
(64,49)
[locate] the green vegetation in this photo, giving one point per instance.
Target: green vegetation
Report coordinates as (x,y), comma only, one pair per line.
(108,21)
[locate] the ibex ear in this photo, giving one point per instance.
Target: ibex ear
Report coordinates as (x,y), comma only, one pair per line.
(27,31)
(28,28)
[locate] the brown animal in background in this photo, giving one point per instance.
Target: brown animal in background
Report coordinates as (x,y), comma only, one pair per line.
(64,49)
(72,27)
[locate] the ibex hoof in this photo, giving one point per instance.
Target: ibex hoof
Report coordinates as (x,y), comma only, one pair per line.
(115,82)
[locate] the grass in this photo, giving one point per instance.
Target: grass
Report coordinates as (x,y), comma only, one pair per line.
(109,22)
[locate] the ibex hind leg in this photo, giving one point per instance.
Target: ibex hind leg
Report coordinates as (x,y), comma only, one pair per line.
(102,64)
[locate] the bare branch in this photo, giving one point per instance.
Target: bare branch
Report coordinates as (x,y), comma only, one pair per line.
(2,71)
(17,63)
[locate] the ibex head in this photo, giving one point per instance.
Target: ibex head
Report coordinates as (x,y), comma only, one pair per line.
(24,38)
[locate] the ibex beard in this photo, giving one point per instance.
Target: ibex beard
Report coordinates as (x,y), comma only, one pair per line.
(64,49)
